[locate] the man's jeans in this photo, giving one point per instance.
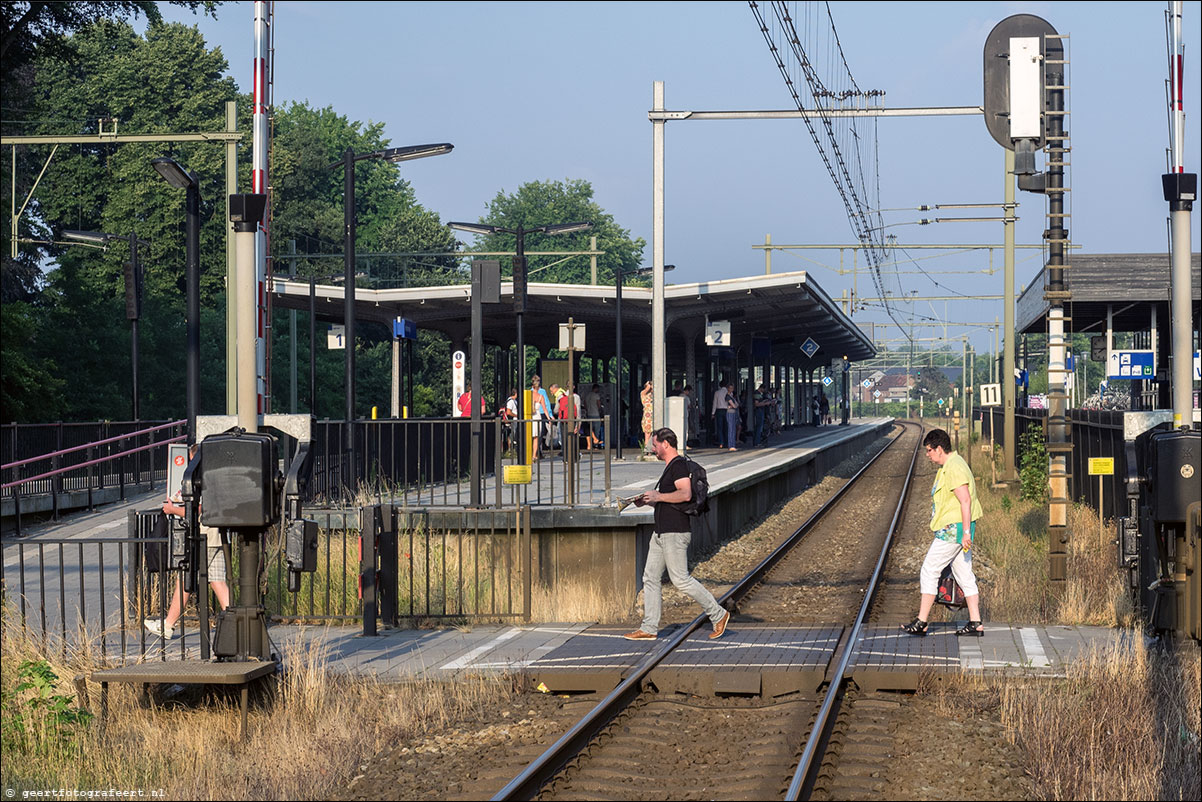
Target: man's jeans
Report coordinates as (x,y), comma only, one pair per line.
(671,549)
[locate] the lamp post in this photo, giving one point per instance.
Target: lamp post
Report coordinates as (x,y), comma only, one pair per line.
(178,177)
(519,291)
(133,292)
(620,276)
(347,163)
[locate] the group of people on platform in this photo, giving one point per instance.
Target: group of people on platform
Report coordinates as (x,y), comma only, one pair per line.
(732,423)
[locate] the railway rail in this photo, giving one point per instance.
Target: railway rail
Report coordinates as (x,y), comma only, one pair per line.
(738,747)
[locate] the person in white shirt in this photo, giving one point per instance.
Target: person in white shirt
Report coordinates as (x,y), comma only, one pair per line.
(719,413)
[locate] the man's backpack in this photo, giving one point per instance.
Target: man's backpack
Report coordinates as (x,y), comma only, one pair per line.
(699,504)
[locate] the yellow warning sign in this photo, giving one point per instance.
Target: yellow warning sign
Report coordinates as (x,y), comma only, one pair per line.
(1101,466)
(517,474)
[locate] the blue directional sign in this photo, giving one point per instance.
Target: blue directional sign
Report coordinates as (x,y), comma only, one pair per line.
(1131,365)
(809,347)
(828,381)
(404,329)
(940,402)
(866,383)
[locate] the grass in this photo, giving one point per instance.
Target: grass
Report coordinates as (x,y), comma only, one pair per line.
(1123,724)
(305,741)
(1011,557)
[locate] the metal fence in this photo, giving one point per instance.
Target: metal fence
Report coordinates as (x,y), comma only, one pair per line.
(426,462)
(50,461)
(69,595)
(1095,433)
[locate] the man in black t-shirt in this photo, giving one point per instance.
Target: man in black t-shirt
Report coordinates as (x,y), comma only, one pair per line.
(670,542)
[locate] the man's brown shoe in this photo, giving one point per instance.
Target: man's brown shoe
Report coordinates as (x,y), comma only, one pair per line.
(720,627)
(639,634)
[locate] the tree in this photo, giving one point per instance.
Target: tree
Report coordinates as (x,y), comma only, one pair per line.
(540,203)
(167,80)
(29,32)
(308,211)
(932,384)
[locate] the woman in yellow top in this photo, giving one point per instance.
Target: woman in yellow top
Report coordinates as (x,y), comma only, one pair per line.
(954,512)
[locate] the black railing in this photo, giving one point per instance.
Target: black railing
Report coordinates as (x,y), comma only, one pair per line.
(49,461)
(78,596)
(426,462)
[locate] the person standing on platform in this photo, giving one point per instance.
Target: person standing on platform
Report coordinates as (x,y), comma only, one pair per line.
(732,416)
(669,547)
(214,548)
(955,509)
(824,408)
(761,402)
(594,408)
(541,412)
(646,397)
(718,410)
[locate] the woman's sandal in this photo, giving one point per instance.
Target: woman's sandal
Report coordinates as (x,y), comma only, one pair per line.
(916,627)
(973,628)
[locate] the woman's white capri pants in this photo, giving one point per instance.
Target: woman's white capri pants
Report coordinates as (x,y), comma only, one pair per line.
(939,555)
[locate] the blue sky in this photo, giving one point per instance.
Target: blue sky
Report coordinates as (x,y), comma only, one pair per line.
(548,91)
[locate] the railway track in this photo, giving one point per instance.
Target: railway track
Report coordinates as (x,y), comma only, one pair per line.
(635,744)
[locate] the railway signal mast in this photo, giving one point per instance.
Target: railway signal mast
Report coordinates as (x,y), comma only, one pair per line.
(1180,189)
(1025,89)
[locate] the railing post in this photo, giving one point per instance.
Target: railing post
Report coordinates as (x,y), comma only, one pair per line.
(523,518)
(498,453)
(386,524)
(368,563)
(608,464)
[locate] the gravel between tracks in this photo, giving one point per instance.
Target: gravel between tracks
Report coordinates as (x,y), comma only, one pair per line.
(944,746)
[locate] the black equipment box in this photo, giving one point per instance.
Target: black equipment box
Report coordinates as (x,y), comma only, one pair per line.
(1173,473)
(238,486)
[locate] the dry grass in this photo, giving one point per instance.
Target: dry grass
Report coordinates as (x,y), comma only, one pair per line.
(1013,561)
(305,740)
(1123,725)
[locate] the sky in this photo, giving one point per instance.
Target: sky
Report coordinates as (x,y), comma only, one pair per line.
(554,91)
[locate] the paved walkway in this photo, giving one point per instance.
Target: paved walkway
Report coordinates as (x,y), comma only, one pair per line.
(884,659)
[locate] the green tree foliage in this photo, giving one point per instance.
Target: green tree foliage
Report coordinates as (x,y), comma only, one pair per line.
(539,203)
(932,384)
(307,219)
(167,80)
(31,33)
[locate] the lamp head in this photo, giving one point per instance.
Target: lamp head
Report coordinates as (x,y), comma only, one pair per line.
(479,228)
(93,237)
(410,152)
(173,173)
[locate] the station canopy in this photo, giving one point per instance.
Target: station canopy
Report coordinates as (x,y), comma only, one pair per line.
(784,308)
(1129,285)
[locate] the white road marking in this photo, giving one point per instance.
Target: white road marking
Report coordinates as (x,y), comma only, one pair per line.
(467,659)
(1034,649)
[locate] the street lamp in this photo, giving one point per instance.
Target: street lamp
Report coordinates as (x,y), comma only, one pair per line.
(133,290)
(519,289)
(347,163)
(620,276)
(178,177)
